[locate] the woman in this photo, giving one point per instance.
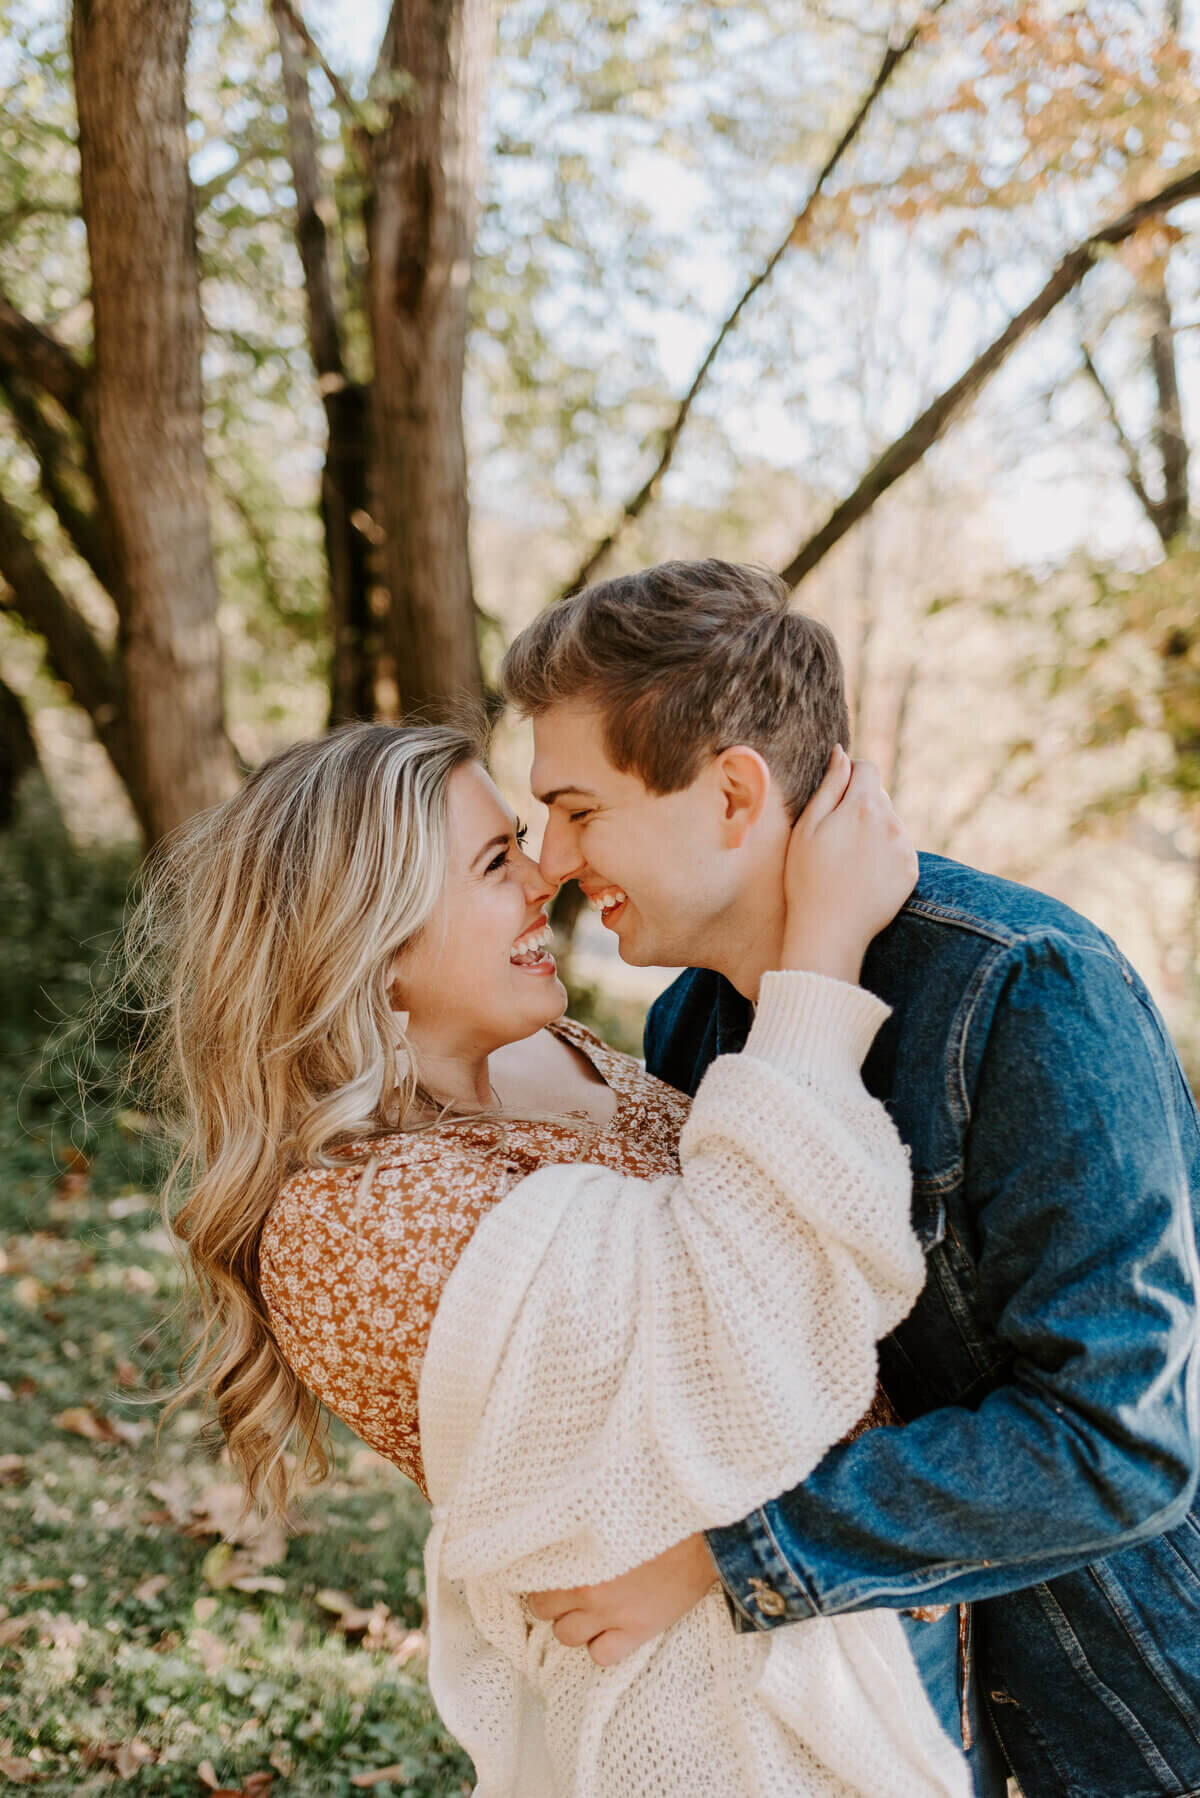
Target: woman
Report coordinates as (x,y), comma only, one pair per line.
(510,1261)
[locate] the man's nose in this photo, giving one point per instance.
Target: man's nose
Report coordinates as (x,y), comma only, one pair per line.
(561,858)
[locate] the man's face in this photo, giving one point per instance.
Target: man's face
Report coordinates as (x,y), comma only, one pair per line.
(663,855)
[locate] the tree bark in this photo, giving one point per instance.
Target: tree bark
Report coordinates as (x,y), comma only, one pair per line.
(425,170)
(1170,441)
(344,497)
(76,656)
(908,449)
(146,402)
(18,752)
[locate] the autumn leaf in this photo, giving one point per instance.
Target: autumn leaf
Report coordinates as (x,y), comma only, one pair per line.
(255,1785)
(80,1421)
(13,1628)
(395,1771)
(20,1771)
(150,1588)
(130,1756)
(13,1471)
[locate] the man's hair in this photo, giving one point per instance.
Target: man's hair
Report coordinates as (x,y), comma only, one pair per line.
(684,660)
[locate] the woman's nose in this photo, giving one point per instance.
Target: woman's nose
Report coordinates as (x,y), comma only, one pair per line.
(537,887)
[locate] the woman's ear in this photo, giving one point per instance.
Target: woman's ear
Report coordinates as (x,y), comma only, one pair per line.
(745,786)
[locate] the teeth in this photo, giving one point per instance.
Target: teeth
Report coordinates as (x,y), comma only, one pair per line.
(533,939)
(606,900)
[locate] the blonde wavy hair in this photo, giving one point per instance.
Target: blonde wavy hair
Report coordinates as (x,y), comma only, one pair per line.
(257,968)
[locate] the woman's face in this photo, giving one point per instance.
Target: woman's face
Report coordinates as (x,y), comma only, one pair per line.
(477,976)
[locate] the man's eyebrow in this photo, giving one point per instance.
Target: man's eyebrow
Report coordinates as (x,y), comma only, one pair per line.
(495,843)
(557,793)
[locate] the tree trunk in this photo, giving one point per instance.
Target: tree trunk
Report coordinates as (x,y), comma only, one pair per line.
(146,402)
(1169,436)
(344,496)
(425,171)
(18,752)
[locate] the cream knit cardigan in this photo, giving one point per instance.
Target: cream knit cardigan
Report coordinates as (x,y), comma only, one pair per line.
(617,1363)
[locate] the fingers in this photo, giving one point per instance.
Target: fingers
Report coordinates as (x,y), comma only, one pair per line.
(549,1606)
(576,1629)
(831,792)
(611,1646)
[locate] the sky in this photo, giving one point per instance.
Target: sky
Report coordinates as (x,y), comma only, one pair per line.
(1045,504)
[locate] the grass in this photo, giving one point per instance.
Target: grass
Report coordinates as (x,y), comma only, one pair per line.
(128,1659)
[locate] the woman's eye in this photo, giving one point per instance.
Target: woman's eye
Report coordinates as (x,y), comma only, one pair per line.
(498,861)
(578,817)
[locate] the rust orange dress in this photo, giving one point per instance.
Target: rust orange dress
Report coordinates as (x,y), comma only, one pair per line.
(351,1280)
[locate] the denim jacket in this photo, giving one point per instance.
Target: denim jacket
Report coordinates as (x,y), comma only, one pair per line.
(1048,1375)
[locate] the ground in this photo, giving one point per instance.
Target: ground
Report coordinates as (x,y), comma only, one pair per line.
(128,1658)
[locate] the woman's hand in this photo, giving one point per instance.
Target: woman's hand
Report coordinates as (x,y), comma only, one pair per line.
(850,867)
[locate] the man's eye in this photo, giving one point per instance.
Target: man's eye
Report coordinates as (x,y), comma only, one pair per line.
(578,817)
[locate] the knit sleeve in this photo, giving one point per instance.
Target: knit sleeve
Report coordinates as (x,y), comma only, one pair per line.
(617,1364)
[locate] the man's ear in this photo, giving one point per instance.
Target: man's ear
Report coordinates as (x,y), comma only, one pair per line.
(744,784)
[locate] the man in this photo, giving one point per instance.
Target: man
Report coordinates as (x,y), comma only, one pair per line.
(1047,1377)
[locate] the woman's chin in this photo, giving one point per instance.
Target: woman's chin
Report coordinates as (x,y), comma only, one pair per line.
(541,998)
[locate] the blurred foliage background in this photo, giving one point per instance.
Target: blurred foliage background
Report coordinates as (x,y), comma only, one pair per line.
(901,301)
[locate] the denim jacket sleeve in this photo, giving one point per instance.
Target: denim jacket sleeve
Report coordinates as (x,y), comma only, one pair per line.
(1078,1144)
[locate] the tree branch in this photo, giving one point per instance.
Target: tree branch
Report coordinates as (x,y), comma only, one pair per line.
(75,653)
(64,483)
(925,431)
(311,237)
(1133,467)
(638,501)
(32,352)
(247,156)
(341,93)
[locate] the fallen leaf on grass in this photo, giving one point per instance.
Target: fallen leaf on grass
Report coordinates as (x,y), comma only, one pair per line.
(23,1587)
(150,1588)
(212,1651)
(13,1628)
(81,1421)
(21,1772)
(377,1627)
(255,1785)
(220,1510)
(61,1629)
(224,1566)
(282,1759)
(132,1755)
(395,1771)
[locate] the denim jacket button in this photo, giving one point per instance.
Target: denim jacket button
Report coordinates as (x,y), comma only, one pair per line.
(770,1602)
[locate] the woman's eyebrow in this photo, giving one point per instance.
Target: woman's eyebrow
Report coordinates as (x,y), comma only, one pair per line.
(496,843)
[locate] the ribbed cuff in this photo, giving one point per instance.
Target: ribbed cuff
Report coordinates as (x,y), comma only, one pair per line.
(808,1023)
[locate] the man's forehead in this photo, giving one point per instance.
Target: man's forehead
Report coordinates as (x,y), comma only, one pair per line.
(568,754)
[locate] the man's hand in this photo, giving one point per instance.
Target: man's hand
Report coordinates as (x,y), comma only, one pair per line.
(611,1620)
